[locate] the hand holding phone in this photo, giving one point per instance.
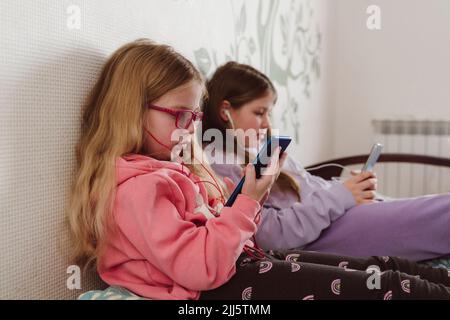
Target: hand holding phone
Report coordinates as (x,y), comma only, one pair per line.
(364,184)
(362,187)
(260,163)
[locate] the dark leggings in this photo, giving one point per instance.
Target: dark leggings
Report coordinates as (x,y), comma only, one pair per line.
(297,274)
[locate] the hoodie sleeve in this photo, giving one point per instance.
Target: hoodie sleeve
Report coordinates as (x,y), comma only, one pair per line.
(196,257)
(286,225)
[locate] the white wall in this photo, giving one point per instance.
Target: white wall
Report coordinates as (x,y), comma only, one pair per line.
(315,116)
(399,72)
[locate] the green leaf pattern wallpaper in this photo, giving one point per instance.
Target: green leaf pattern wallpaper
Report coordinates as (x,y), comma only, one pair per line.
(282,39)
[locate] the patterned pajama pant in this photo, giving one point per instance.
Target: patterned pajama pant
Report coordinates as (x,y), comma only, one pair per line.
(297,274)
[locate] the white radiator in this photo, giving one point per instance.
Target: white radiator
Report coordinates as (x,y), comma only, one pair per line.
(414,137)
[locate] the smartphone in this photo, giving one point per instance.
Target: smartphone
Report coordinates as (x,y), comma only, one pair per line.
(373,157)
(261,161)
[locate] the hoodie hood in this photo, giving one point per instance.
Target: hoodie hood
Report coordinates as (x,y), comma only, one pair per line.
(130,166)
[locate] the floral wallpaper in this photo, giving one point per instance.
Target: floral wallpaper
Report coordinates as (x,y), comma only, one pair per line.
(286,46)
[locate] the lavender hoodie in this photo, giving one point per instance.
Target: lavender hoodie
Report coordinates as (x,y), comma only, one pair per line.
(299,223)
(328,220)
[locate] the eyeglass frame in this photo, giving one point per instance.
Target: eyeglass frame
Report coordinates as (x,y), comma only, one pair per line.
(196,115)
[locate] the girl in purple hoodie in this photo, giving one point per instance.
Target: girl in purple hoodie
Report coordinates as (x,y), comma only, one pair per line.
(305,211)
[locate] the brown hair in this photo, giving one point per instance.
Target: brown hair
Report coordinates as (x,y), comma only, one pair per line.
(112,126)
(239,84)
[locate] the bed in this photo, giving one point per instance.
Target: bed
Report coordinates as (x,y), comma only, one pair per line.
(328,172)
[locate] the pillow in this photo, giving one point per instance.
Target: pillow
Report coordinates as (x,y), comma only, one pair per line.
(110,293)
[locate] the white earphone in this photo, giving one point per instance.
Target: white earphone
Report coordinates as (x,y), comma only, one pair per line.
(228,114)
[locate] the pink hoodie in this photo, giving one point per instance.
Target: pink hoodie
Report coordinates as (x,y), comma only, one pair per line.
(168,245)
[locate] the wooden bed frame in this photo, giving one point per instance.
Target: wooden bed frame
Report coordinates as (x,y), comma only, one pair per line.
(329,172)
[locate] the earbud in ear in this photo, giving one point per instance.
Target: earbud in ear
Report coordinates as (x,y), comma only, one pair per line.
(228,114)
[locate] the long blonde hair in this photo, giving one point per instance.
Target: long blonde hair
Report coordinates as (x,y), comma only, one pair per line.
(112,126)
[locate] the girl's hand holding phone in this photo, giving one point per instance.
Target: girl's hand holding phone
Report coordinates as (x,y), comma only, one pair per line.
(362,186)
(258,189)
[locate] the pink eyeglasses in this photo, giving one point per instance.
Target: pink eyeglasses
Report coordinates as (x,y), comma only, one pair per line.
(183,118)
